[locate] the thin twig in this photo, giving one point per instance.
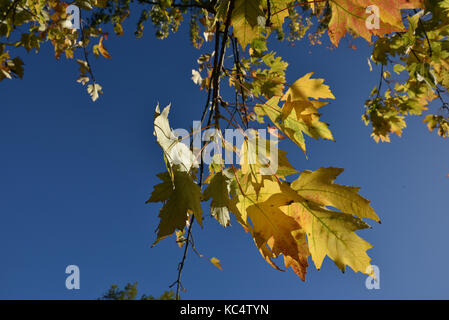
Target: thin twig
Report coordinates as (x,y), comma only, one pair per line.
(218,66)
(85,53)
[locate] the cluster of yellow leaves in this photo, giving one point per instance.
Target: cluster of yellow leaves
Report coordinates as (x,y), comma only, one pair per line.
(299,113)
(309,217)
(296,220)
(422,54)
(438,122)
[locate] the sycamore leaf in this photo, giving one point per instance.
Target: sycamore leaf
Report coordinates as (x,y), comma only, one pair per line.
(162,191)
(284,166)
(332,232)
(299,219)
(358,16)
(218,190)
(318,186)
(299,114)
(297,98)
(274,232)
(181,196)
(94,90)
(245,22)
(216,262)
(259,156)
(291,129)
(176,152)
(278,12)
(293,126)
(304,110)
(305,88)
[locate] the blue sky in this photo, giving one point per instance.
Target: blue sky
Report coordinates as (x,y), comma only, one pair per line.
(75,176)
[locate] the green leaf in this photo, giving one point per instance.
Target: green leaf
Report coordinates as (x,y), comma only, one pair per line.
(218,190)
(182,196)
(244,20)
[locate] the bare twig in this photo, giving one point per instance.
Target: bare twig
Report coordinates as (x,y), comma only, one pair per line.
(219,64)
(85,53)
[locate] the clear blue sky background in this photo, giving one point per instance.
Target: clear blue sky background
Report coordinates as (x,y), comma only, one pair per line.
(74,177)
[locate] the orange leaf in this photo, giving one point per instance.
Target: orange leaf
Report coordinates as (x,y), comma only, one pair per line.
(357,16)
(103,50)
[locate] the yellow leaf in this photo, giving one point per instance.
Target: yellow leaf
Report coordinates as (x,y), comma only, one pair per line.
(218,190)
(354,15)
(293,125)
(274,232)
(216,262)
(299,219)
(244,20)
(318,186)
(305,88)
(332,233)
(279,12)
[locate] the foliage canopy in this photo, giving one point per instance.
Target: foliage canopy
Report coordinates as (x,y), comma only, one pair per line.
(310,214)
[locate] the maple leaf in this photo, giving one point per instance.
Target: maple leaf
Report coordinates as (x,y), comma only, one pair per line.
(181,196)
(257,161)
(331,232)
(278,12)
(351,15)
(218,190)
(293,126)
(299,219)
(297,98)
(305,88)
(318,186)
(94,91)
(176,152)
(244,20)
(300,114)
(274,232)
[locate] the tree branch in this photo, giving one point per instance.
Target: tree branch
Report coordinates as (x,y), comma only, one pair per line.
(209,6)
(218,65)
